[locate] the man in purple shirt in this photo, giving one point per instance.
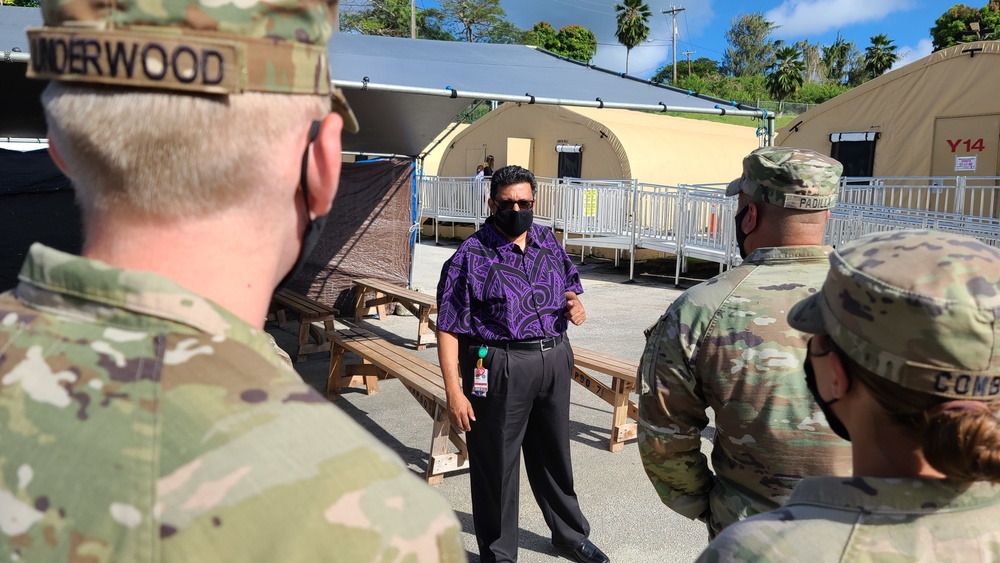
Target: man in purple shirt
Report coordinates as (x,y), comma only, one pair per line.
(504,299)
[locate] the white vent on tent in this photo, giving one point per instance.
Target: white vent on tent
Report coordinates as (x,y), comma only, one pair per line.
(848,137)
(569,148)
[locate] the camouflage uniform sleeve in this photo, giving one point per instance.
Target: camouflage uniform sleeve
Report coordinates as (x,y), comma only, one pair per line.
(672,415)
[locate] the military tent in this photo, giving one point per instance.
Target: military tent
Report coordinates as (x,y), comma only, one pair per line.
(938,116)
(560,141)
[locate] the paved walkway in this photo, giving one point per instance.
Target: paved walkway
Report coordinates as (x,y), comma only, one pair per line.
(627,519)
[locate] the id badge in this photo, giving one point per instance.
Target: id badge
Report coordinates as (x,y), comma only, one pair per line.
(480,381)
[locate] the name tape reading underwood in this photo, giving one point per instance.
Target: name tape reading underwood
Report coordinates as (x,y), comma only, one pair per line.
(179,63)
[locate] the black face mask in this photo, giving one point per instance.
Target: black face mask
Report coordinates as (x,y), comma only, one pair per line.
(835,424)
(741,237)
(513,223)
(315,227)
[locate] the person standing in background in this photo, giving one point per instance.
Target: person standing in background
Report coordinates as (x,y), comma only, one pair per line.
(904,359)
(144,413)
(504,301)
(725,345)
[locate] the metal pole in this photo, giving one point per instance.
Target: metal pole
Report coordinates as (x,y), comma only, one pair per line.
(673,44)
(673,11)
(635,226)
(528,99)
(688,55)
(14,57)
(413,19)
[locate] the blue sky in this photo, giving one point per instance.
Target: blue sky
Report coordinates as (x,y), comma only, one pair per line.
(703,24)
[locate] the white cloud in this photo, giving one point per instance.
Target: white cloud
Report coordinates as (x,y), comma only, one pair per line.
(910,54)
(643,62)
(799,18)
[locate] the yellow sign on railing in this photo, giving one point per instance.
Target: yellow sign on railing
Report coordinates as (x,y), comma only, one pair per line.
(590,203)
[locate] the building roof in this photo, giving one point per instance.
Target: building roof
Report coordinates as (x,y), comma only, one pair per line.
(405,91)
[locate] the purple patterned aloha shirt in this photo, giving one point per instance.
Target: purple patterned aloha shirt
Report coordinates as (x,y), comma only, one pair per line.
(491,291)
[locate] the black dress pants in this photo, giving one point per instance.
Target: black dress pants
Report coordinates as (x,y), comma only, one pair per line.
(526,407)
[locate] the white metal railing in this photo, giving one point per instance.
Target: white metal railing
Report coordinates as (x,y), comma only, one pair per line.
(697,221)
(961,195)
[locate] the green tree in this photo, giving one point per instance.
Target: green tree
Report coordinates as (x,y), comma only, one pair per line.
(392,18)
(544,36)
(817,93)
(577,42)
(751,50)
(880,56)
(786,76)
(835,59)
(702,66)
(22,3)
(504,32)
(474,20)
(815,71)
(856,73)
(956,25)
(633,25)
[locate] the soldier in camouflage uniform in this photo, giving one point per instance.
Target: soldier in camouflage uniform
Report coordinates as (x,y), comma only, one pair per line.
(725,345)
(144,413)
(906,362)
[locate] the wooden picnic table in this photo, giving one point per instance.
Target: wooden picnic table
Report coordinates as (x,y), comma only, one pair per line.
(420,304)
(421,378)
(308,311)
(623,373)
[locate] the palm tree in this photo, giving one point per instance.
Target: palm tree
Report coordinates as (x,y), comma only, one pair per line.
(880,56)
(785,76)
(835,58)
(633,17)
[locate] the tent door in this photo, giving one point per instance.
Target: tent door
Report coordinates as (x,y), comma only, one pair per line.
(570,164)
(520,151)
(968,146)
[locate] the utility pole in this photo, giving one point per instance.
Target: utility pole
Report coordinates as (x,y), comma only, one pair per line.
(688,55)
(673,11)
(413,19)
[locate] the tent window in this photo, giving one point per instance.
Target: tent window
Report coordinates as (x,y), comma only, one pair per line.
(856,151)
(570,164)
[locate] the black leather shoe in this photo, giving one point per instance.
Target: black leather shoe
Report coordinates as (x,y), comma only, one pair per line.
(586,552)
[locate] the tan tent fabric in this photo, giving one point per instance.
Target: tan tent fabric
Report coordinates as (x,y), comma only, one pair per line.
(432,158)
(617,144)
(903,107)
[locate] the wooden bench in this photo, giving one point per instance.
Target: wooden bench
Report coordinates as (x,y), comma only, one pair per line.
(423,380)
(623,373)
(309,311)
(420,304)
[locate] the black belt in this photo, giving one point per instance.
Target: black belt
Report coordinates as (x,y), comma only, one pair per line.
(540,345)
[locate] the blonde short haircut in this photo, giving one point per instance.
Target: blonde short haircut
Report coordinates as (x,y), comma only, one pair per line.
(170,155)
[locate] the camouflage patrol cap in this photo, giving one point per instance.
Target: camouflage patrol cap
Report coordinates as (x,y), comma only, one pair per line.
(207,46)
(789,177)
(919,308)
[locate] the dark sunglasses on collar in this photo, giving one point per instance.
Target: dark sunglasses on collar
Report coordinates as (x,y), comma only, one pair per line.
(522,204)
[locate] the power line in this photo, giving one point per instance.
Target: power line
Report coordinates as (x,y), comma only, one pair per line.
(577,6)
(687,32)
(701,47)
(659,43)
